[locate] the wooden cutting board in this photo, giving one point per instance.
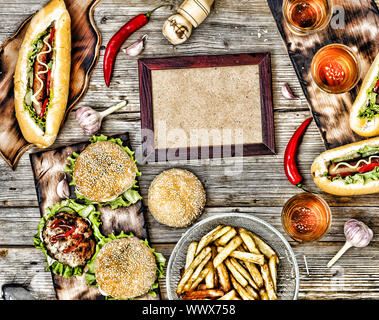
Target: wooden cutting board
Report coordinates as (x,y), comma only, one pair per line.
(48,169)
(360,33)
(86,42)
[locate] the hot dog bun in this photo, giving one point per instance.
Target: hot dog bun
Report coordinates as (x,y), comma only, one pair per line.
(339,187)
(55,11)
(365,127)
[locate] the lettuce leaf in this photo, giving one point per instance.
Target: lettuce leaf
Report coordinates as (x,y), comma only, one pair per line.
(372,108)
(86,212)
(126,199)
(159,258)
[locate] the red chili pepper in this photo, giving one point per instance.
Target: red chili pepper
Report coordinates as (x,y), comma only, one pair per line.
(119,38)
(290,166)
(368,167)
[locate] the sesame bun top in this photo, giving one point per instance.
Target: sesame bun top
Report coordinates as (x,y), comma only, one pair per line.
(125,268)
(176,198)
(103,171)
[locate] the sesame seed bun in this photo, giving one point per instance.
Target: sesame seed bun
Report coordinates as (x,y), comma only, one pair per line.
(103,171)
(176,198)
(125,268)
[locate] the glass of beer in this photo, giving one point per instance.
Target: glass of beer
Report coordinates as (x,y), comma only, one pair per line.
(304,17)
(335,68)
(306,217)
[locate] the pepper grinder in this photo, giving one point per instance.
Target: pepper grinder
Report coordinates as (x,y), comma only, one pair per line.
(178,28)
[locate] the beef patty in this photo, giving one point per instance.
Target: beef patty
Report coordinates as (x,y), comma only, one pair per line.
(69,239)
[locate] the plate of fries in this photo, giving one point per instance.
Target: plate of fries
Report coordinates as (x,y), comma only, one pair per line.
(232,256)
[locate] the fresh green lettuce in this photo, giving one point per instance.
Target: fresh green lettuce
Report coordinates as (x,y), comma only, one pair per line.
(372,108)
(126,199)
(85,211)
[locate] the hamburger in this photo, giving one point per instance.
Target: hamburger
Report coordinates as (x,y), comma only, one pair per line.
(68,235)
(176,198)
(126,268)
(105,173)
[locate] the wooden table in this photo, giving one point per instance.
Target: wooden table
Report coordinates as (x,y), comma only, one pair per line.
(261,189)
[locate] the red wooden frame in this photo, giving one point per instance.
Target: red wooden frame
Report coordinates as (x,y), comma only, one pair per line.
(146,65)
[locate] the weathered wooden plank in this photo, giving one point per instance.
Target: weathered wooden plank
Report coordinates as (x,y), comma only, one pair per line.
(26,266)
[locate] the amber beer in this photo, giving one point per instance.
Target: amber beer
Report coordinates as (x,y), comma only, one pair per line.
(306,217)
(307,16)
(335,68)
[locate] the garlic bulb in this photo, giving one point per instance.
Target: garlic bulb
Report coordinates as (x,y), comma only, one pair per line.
(90,120)
(136,48)
(357,235)
(63,189)
(177,29)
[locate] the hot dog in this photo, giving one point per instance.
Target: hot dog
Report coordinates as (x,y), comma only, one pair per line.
(349,170)
(364,115)
(42,75)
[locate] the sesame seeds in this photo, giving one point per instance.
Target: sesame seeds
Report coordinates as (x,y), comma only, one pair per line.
(103,171)
(176,198)
(125,268)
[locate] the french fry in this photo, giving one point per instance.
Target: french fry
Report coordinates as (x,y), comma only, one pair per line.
(201,286)
(191,252)
(211,236)
(268,282)
(240,289)
(215,276)
(229,296)
(244,273)
(203,274)
(197,272)
(223,277)
(273,270)
(247,256)
(255,274)
(227,250)
(252,292)
(222,241)
(264,247)
(201,294)
(188,273)
(248,240)
(236,274)
(263,294)
(210,277)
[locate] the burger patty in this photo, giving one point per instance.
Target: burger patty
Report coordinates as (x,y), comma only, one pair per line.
(69,239)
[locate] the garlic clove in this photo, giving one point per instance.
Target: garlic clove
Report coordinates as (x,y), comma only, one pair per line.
(136,48)
(63,189)
(287,92)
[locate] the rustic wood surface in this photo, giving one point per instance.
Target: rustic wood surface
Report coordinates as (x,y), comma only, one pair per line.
(335,130)
(261,188)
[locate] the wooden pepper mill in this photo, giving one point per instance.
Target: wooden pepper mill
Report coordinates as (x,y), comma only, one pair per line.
(178,28)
